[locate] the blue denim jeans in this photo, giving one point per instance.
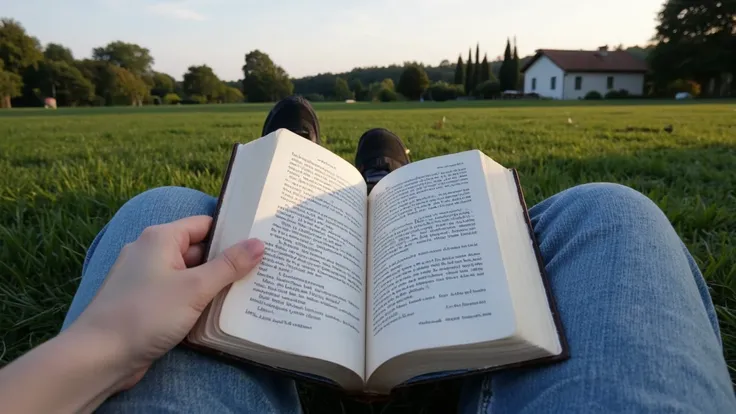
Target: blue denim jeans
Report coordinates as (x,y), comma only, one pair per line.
(642,330)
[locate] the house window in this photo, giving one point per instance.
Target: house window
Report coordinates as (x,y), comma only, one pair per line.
(553,82)
(609,82)
(534,84)
(578,83)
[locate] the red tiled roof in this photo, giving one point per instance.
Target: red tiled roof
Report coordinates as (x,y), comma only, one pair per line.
(591,61)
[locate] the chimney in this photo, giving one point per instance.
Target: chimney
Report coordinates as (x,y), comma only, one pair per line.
(603,51)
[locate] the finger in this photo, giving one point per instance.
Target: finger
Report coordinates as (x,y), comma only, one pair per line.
(194,255)
(234,263)
(188,231)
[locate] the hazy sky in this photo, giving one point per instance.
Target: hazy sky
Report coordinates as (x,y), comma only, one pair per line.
(309,37)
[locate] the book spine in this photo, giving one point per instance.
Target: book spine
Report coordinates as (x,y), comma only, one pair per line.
(542,271)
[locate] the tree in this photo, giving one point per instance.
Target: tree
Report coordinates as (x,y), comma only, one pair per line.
(263,80)
(10,86)
(388,83)
(485,70)
(696,41)
(413,82)
(358,90)
(515,72)
(469,73)
(231,95)
(134,58)
(505,75)
(342,90)
(202,81)
(459,71)
(103,77)
(62,81)
(163,84)
(128,86)
(387,95)
(58,53)
(477,70)
(18,51)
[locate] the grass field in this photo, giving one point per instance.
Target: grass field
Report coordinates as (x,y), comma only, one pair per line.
(63,174)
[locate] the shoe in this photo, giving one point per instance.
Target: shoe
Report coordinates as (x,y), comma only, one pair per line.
(295,114)
(379,152)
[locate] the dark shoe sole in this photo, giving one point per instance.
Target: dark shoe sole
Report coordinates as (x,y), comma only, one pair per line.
(294,99)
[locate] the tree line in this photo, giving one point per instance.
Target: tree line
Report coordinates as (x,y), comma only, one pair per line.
(694,49)
(118,73)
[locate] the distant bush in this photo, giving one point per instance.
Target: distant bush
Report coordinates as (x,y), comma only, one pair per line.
(172,99)
(155,100)
(314,97)
(443,91)
(488,89)
(593,96)
(617,94)
(194,100)
(98,101)
(682,85)
(387,95)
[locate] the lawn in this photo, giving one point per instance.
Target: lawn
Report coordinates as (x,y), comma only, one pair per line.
(64,173)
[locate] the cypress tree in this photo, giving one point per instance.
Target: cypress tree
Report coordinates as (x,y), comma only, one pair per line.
(505,76)
(469,74)
(460,71)
(478,69)
(485,69)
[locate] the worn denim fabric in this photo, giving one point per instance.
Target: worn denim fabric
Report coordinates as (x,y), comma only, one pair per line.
(642,329)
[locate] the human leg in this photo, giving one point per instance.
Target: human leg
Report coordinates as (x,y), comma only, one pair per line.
(183,380)
(642,329)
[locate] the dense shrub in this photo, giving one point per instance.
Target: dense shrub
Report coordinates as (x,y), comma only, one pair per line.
(488,89)
(443,91)
(387,95)
(172,99)
(617,94)
(593,96)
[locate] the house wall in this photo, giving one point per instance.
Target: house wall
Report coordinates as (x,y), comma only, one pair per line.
(542,70)
(632,82)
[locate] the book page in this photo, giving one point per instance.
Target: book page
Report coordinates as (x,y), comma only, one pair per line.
(435,272)
(307,297)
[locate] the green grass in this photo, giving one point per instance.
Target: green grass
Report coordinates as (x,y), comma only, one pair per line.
(64,173)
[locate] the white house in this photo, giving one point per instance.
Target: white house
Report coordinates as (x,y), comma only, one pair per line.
(571,74)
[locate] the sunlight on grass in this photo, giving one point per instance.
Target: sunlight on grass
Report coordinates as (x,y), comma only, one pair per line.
(63,174)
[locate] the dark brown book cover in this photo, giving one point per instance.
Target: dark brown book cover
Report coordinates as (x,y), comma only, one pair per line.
(432,378)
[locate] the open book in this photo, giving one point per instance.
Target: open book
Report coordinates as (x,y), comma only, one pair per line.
(435,272)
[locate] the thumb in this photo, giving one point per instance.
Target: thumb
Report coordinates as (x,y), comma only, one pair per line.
(234,263)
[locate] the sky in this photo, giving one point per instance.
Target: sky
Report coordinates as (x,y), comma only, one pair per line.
(311,37)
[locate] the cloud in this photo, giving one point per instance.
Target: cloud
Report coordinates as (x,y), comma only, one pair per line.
(174,10)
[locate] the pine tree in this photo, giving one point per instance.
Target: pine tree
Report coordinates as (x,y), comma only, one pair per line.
(516,68)
(469,74)
(505,76)
(460,71)
(485,69)
(478,69)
